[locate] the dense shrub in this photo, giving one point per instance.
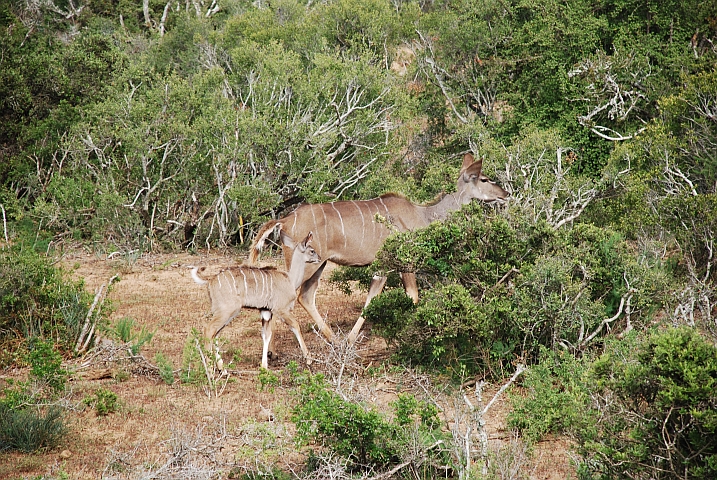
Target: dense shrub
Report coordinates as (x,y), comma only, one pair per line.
(36,299)
(496,288)
(656,399)
(367,439)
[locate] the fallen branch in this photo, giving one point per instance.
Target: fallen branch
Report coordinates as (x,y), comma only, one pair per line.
(395,469)
(88,328)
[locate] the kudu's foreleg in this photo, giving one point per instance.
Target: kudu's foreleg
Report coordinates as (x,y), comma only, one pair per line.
(377,284)
(293,325)
(307,299)
(410,285)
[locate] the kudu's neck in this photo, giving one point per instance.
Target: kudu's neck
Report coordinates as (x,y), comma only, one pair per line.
(296,269)
(449,203)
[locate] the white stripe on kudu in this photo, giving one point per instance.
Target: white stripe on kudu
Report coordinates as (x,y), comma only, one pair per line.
(341,219)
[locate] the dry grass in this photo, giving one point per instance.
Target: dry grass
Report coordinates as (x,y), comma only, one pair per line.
(177,431)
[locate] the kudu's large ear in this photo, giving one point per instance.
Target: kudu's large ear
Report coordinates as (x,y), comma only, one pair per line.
(287,240)
(308,238)
(471,167)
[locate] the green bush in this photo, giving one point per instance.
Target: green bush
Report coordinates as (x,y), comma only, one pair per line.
(446,329)
(389,312)
(46,363)
(496,288)
(554,399)
(104,402)
(363,436)
(268,380)
(125,332)
(655,404)
(28,431)
(166,369)
(193,369)
(36,300)
(46,381)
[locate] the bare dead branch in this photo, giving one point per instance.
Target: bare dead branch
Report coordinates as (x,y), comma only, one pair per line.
(88,327)
(4,223)
(439,74)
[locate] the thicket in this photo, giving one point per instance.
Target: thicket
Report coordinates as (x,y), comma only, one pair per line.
(495,289)
(189,128)
(644,408)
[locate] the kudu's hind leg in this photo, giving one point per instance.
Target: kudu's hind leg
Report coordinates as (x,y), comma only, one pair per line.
(221,318)
(377,283)
(267,336)
(307,299)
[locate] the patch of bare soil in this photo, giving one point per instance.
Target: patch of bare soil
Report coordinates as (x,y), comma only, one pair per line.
(178,431)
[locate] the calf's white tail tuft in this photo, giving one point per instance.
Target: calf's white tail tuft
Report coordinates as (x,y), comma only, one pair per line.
(196,277)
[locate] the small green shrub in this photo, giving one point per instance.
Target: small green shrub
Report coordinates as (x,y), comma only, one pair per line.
(365,438)
(28,431)
(655,404)
(268,380)
(389,312)
(46,363)
(124,331)
(47,378)
(166,369)
(17,395)
(193,368)
(104,402)
(446,328)
(36,300)
(555,398)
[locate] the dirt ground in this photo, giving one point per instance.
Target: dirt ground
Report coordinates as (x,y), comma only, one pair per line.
(186,431)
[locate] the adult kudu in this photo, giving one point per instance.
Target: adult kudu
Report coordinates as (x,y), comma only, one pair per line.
(349,232)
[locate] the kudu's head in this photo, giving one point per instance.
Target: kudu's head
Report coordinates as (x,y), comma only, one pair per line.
(302,251)
(473,184)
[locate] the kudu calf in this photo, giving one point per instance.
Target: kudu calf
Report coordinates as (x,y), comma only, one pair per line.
(267,289)
(349,232)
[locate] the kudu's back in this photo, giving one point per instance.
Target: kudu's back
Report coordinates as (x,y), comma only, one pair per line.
(351,232)
(252,287)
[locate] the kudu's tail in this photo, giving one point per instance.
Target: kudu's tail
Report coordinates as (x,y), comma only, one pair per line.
(259,240)
(196,277)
